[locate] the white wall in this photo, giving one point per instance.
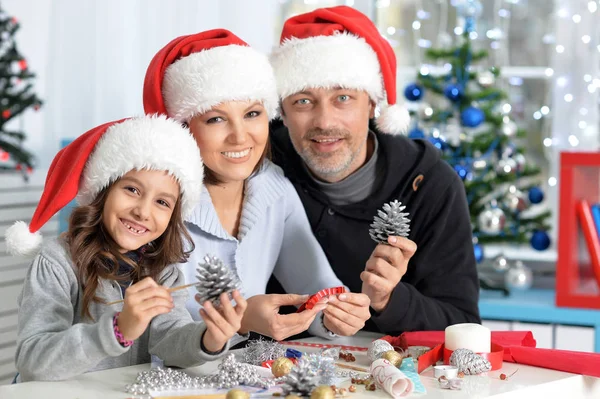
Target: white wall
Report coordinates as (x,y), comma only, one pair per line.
(90,57)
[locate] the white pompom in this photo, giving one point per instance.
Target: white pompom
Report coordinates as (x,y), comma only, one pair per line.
(20,241)
(393,119)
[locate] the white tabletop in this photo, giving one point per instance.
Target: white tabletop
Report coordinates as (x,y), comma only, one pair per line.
(528,382)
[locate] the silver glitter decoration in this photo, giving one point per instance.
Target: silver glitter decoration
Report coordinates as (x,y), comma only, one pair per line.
(324,367)
(333,353)
(231,373)
(452,383)
(377,348)
(214,278)
(262,350)
(469,362)
(301,380)
(391,221)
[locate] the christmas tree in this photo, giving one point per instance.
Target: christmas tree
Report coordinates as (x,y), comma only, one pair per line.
(16,96)
(467,117)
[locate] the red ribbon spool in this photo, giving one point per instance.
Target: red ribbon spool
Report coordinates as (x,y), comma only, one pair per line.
(312,301)
(494,357)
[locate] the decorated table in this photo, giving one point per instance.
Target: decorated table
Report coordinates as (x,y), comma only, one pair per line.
(523,381)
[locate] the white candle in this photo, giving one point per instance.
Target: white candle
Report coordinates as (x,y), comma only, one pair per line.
(469,336)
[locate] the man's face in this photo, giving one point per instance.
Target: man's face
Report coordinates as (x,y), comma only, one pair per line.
(329,129)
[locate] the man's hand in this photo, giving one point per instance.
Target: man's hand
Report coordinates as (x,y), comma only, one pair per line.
(346,313)
(385,268)
(262,315)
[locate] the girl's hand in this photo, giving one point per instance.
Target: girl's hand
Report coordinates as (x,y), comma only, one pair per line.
(143,301)
(222,323)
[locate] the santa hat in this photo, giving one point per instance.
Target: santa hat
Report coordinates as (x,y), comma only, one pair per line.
(194,73)
(104,154)
(339,46)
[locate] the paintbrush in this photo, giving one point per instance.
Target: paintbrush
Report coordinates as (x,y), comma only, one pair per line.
(172,289)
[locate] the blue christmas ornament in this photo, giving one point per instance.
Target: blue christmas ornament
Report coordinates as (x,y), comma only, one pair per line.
(540,240)
(462,171)
(453,92)
(413,92)
(536,195)
(478,252)
(472,117)
(416,133)
(437,142)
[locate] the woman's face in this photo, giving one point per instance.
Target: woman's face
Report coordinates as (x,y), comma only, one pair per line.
(232,137)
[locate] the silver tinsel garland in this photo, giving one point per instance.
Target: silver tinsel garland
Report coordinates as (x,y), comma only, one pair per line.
(469,362)
(214,278)
(324,367)
(391,221)
(261,350)
(231,373)
(301,380)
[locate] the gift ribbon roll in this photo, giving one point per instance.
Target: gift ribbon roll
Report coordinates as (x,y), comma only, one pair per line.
(390,379)
(446,371)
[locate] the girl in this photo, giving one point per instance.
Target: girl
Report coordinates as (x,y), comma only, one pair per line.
(135,180)
(251,216)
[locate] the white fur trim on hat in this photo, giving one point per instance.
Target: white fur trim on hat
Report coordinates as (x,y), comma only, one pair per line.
(155,143)
(20,241)
(393,119)
(202,80)
(343,60)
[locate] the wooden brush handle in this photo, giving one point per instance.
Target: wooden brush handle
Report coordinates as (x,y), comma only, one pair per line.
(172,289)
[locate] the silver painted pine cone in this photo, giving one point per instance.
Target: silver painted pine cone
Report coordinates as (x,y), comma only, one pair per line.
(390,221)
(469,362)
(214,278)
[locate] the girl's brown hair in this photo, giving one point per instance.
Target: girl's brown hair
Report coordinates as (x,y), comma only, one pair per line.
(96,255)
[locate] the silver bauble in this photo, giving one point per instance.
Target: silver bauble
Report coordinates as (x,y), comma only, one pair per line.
(506,166)
(491,221)
(425,111)
(518,277)
(515,200)
(378,348)
(508,128)
(520,161)
(486,79)
(500,263)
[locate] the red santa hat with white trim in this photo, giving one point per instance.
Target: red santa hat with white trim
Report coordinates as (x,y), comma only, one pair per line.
(340,46)
(194,73)
(102,155)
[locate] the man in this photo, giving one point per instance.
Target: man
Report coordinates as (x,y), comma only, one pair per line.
(333,68)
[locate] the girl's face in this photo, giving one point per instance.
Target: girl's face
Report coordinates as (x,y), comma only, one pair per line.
(138,208)
(232,137)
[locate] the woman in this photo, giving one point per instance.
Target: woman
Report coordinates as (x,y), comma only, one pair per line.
(250,216)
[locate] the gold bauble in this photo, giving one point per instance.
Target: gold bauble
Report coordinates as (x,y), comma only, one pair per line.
(237,394)
(322,392)
(393,357)
(281,367)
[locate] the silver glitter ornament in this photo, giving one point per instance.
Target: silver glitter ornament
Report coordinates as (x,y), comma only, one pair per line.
(491,221)
(377,348)
(215,278)
(390,222)
(324,367)
(301,380)
(500,264)
(469,362)
(486,79)
(506,166)
(515,200)
(262,350)
(518,277)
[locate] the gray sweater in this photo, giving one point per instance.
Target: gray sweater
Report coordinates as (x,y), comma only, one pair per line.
(55,343)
